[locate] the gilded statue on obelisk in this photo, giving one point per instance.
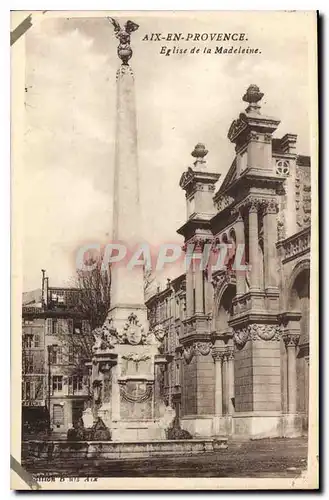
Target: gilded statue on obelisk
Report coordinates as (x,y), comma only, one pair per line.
(123,35)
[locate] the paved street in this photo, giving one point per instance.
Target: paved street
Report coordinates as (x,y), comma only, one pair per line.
(263,458)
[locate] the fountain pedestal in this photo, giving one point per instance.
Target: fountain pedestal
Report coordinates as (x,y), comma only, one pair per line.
(127,383)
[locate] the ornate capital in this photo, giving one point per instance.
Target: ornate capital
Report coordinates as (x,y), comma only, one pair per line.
(202,348)
(264,332)
(253,205)
(256,331)
(225,276)
(253,136)
(291,339)
(270,206)
(241,336)
(218,280)
(188,353)
(230,354)
(217,353)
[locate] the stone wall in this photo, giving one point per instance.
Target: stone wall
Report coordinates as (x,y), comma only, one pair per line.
(243,378)
(206,385)
(189,387)
(258,376)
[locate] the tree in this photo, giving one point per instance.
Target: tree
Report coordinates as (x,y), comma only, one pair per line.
(91,306)
(94,299)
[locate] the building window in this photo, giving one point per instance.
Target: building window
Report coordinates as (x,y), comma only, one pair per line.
(71,355)
(77,329)
(31,341)
(28,392)
(58,415)
(55,357)
(58,297)
(282,167)
(49,323)
(28,363)
(28,341)
(57,383)
(54,326)
(33,389)
(77,383)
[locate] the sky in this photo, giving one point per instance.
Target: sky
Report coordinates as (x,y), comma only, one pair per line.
(181,100)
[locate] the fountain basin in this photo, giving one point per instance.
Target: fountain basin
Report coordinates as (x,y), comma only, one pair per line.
(113,450)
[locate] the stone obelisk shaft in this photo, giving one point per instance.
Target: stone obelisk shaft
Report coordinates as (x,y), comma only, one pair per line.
(127,292)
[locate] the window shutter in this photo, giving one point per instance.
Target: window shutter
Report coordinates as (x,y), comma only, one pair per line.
(58,415)
(70,325)
(48,326)
(70,386)
(60,326)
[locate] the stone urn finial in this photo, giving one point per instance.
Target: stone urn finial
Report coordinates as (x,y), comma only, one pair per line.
(199,152)
(252,97)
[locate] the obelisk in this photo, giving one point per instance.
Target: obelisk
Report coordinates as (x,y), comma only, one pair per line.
(127,292)
(127,364)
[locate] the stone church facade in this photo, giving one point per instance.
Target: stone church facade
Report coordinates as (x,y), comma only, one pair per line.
(237,341)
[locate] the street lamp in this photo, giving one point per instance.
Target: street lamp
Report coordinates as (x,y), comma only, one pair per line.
(49,349)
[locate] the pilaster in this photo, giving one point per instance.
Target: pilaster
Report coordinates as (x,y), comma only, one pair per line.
(240,241)
(291,335)
(253,246)
(270,239)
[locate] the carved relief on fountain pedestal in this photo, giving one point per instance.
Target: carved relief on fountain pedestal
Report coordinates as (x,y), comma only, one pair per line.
(126,375)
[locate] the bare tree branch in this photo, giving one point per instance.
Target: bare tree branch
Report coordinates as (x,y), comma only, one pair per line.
(91,307)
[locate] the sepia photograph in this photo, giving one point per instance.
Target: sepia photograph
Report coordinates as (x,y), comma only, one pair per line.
(164,250)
